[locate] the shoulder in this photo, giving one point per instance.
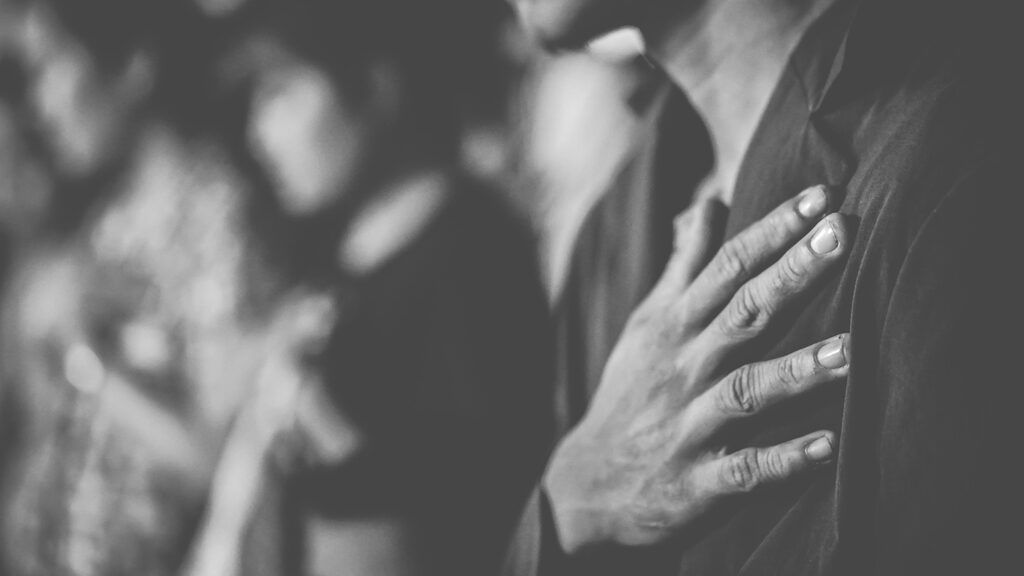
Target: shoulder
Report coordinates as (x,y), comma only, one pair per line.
(479,229)
(943,141)
(460,243)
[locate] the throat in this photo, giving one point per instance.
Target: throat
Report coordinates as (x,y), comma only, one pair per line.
(728,56)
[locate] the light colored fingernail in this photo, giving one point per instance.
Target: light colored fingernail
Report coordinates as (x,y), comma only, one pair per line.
(825,239)
(813,203)
(832,355)
(819,450)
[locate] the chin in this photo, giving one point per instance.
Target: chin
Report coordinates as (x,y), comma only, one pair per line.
(571,24)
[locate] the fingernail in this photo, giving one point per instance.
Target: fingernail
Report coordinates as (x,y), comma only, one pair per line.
(819,450)
(833,354)
(825,239)
(813,203)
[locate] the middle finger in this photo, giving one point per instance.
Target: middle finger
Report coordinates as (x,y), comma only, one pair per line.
(754,388)
(753,306)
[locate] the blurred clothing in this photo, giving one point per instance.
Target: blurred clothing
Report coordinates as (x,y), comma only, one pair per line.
(440,362)
(147,357)
(113,355)
(578,130)
(920,133)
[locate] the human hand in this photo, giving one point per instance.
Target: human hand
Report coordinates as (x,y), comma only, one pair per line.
(650,459)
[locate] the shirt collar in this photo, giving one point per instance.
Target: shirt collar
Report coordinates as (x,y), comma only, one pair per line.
(858,44)
(850,48)
(821,57)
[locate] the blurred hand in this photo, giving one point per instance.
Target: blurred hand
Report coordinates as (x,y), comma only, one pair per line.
(650,460)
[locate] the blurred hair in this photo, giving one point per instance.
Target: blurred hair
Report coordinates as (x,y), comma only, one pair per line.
(444,53)
(174,32)
(442,50)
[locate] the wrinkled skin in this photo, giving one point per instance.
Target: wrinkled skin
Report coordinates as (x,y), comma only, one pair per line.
(651,458)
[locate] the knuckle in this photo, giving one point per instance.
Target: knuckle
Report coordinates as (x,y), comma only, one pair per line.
(777,227)
(652,507)
(746,312)
(790,271)
(739,394)
(742,473)
(731,261)
(771,465)
(787,221)
(788,370)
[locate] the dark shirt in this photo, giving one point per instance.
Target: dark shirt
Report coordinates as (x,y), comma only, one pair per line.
(904,108)
(441,358)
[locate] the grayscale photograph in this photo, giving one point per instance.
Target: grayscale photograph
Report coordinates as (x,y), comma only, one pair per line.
(511,288)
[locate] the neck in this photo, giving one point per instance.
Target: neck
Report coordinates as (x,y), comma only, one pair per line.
(728,56)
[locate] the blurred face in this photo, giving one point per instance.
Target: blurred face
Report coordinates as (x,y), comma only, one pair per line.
(83,115)
(573,23)
(309,139)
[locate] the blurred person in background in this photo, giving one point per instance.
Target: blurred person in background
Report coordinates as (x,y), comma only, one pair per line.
(24,195)
(25,186)
(436,363)
(127,331)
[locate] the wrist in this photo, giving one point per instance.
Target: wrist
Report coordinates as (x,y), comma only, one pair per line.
(577,524)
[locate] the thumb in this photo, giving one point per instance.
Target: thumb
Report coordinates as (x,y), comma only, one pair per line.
(697,234)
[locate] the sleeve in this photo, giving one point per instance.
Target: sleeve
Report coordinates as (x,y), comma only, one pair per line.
(535,550)
(949,485)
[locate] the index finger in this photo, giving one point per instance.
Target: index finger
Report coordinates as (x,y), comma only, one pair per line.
(752,250)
